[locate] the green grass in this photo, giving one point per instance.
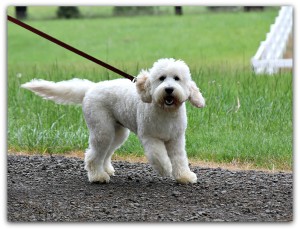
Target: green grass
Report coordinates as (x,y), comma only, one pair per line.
(217,47)
(199,39)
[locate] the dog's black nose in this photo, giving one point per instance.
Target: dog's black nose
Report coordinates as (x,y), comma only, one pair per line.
(169,90)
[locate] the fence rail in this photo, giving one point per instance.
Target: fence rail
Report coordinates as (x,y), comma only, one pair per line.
(268,58)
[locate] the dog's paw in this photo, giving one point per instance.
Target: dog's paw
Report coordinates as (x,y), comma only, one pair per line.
(110,170)
(187,177)
(167,172)
(163,170)
(102,177)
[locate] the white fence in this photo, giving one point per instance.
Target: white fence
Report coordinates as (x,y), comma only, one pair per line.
(268,58)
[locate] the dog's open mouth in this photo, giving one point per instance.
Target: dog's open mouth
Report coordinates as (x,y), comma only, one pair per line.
(169,100)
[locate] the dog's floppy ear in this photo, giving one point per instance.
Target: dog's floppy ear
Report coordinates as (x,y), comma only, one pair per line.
(143,86)
(195,96)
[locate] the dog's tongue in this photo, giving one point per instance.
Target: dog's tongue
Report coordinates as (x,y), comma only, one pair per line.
(169,100)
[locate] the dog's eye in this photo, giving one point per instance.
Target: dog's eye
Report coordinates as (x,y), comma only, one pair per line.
(176,78)
(162,78)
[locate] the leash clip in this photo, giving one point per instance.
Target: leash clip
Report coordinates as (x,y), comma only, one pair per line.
(134,80)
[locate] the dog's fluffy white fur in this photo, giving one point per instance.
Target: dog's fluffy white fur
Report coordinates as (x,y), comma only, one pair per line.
(153,108)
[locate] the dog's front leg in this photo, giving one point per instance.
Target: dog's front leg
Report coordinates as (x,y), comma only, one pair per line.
(179,160)
(157,155)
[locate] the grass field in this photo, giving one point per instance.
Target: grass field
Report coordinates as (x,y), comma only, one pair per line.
(216,46)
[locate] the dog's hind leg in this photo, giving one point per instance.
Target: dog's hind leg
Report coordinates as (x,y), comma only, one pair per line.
(94,159)
(121,135)
(102,134)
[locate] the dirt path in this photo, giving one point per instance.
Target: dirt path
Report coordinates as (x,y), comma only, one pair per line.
(56,189)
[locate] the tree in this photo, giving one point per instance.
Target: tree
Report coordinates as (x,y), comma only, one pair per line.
(178,10)
(68,12)
(21,12)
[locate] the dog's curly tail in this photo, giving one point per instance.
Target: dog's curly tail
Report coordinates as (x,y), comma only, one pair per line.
(63,92)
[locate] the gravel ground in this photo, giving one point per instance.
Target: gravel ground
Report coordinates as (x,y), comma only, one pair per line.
(56,189)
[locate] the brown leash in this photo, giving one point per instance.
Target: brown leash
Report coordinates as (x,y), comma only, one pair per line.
(71,48)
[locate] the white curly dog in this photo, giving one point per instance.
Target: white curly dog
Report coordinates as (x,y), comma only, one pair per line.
(153,108)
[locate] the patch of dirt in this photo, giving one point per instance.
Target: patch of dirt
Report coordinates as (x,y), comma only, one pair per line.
(234,166)
(56,189)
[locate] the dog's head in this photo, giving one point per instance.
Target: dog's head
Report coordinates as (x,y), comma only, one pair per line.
(168,84)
